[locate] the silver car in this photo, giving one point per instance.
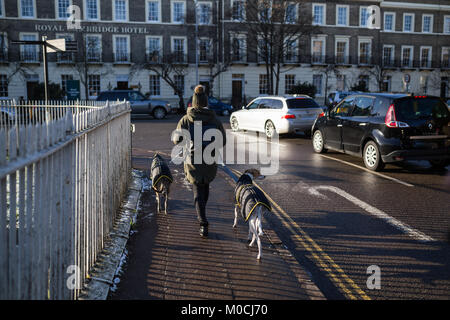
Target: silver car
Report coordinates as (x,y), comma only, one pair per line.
(272,114)
(138,102)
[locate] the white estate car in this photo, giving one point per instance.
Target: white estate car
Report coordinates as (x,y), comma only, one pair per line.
(272,114)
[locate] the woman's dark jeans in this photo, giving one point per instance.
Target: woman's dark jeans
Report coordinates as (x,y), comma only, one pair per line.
(201,194)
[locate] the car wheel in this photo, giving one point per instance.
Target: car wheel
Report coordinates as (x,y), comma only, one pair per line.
(318,143)
(439,164)
(234,124)
(372,157)
(159,113)
(269,129)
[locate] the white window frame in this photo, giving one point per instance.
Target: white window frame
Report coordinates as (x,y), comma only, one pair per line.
(210,48)
(127,8)
(431,23)
(446,26)
(243,10)
(295,11)
(210,18)
(128,52)
(360,16)
(430,54)
(172,51)
(324,16)
(443,51)
(99,82)
(147,8)
(37,49)
(172,7)
(412,21)
(270,10)
(184,83)
(241,37)
(392,57)
(295,55)
(347,16)
(159,84)
(19,6)
(324,44)
(319,93)
(160,38)
(2,8)
(96,35)
(5,48)
(57,17)
(263,83)
(345,39)
(286,91)
(393,21)
(85,8)
(364,40)
(411,56)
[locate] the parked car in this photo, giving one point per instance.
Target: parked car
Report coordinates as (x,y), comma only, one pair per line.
(138,102)
(385,128)
(272,114)
(337,96)
(221,108)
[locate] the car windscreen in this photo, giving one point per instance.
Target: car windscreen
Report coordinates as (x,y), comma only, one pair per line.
(420,108)
(301,103)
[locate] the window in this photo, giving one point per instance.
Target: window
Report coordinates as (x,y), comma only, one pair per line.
(291,54)
(29,52)
(93,48)
(318,14)
(342,15)
(3,46)
(121,48)
(318,50)
(92,9)
(179,83)
(427,23)
(407,54)
(93,85)
(342,48)
(204,12)
(291,13)
(362,107)
(389,21)
(408,22)
(263,84)
(178,49)
(120,8)
(204,50)
(388,56)
(445,60)
(344,108)
(340,82)
(447,24)
(264,50)
(386,85)
(154,53)
(155,85)
(64,78)
(3,85)
(289,80)
(238,48)
(66,57)
(178,11)
(364,15)
(61,8)
(153,11)
(317,82)
(364,52)
(2,9)
(238,10)
(265,10)
(27,8)
(425,57)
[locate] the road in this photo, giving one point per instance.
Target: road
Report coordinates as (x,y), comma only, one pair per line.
(342,222)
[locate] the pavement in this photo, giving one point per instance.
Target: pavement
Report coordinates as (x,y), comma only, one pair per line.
(167,259)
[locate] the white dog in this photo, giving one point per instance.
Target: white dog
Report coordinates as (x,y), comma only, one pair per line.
(251,203)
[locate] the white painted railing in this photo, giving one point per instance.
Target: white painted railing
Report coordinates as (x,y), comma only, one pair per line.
(64,169)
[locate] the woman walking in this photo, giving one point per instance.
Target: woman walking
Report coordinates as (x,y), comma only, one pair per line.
(201,174)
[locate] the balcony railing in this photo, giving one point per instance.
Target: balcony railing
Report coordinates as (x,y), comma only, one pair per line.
(179,57)
(29,56)
(239,57)
(65,57)
(94,57)
(121,57)
(153,57)
(3,55)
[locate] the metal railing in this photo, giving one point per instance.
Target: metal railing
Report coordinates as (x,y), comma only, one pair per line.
(63,175)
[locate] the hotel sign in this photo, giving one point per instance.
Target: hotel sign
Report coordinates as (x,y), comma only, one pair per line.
(91,29)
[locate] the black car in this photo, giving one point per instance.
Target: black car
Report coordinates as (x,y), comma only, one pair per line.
(383,128)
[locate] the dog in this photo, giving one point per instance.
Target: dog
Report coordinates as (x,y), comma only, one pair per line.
(251,204)
(161,181)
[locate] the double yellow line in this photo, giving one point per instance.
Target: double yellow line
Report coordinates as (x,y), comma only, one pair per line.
(346,285)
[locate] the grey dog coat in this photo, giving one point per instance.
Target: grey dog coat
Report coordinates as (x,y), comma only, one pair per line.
(159,170)
(248,197)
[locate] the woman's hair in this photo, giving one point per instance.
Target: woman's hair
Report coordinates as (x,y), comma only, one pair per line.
(199,99)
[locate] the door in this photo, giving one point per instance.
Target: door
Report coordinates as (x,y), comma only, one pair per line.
(138,103)
(33,90)
(355,127)
(333,129)
(236,96)
(247,115)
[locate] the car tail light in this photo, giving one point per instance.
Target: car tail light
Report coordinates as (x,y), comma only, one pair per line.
(391,120)
(189,105)
(288,116)
(321,115)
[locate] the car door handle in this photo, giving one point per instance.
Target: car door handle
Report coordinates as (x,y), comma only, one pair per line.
(363,124)
(339,125)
